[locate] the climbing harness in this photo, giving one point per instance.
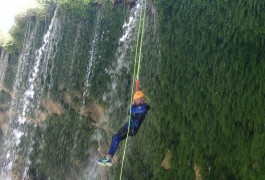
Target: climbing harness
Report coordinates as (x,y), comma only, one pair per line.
(140,35)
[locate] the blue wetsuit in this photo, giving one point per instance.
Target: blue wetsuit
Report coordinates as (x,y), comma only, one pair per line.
(138,114)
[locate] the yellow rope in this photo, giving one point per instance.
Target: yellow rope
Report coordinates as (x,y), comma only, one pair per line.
(141,24)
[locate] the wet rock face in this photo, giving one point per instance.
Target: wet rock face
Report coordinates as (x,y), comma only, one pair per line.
(166,162)
(197,170)
(52,107)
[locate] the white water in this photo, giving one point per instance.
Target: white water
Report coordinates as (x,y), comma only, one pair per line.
(91,171)
(123,61)
(14,164)
(25,56)
(31,93)
(127,40)
(12,138)
(51,40)
(75,46)
(44,55)
(91,61)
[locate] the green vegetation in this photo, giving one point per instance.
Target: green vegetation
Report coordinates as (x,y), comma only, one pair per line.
(206,94)
(4,40)
(19,30)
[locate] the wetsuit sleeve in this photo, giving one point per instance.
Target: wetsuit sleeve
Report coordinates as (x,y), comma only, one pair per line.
(142,109)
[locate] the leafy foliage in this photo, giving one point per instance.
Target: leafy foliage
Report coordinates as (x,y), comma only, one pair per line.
(208,95)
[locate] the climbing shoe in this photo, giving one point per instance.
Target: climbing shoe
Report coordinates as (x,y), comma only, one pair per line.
(104,162)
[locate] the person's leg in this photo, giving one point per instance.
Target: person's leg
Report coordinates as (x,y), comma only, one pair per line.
(116,139)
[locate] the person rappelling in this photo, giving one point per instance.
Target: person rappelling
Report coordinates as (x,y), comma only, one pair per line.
(137,112)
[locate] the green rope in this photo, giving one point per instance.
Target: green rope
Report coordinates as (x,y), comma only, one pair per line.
(136,50)
(141,24)
(141,43)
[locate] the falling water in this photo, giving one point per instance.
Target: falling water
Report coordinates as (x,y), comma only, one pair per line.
(35,74)
(24,60)
(90,64)
(92,172)
(13,135)
(123,60)
(52,41)
(14,164)
(76,45)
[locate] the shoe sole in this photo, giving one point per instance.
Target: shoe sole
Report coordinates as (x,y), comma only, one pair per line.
(104,164)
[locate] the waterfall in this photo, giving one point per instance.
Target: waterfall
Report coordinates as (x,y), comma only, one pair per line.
(126,42)
(15,159)
(35,79)
(91,170)
(25,57)
(111,96)
(76,45)
(91,63)
(12,137)
(52,39)
(124,60)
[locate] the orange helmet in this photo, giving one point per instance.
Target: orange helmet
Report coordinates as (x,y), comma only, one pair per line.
(138,95)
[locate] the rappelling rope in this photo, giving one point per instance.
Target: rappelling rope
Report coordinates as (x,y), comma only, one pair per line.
(141,43)
(135,74)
